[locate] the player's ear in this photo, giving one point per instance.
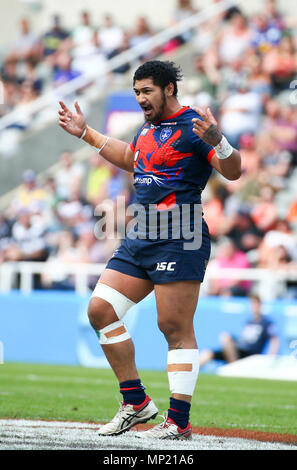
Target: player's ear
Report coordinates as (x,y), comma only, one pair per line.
(169,89)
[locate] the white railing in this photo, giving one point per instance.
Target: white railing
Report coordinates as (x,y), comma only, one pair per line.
(51,97)
(266,277)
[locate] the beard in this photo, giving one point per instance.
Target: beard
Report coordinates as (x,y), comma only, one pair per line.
(157,115)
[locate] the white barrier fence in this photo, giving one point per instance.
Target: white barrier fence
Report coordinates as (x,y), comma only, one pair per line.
(270,282)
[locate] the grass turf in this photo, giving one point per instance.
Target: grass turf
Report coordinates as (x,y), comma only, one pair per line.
(81,394)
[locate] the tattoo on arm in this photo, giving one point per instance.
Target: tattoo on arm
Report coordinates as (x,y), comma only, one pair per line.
(171,347)
(213,135)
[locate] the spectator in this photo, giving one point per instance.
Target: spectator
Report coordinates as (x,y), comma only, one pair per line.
(64,71)
(68,252)
(33,75)
(250,157)
(284,129)
(125,45)
(259,78)
(241,113)
(29,196)
(184,10)
(201,75)
(234,40)
(11,93)
(9,71)
(110,36)
(82,37)
(214,209)
(276,162)
(86,55)
(280,235)
(281,64)
(74,213)
(98,176)
(274,16)
(244,233)
(265,35)
(28,241)
(69,176)
(257,332)
(264,213)
(52,40)
(229,257)
(142,31)
(26,45)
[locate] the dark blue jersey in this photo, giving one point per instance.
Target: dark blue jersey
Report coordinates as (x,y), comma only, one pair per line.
(171,164)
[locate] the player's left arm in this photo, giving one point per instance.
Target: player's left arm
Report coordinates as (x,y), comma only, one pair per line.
(274,342)
(273,347)
(226,160)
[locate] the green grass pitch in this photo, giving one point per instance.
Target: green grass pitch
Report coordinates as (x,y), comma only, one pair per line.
(83,394)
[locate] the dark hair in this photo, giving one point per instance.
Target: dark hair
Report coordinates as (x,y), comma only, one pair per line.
(161,72)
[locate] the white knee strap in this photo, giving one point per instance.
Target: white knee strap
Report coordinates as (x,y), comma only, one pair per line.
(119,302)
(114,333)
(183,369)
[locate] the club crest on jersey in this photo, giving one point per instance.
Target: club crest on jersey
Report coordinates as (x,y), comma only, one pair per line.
(165,134)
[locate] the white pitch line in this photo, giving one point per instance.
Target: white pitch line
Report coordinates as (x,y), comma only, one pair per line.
(48,435)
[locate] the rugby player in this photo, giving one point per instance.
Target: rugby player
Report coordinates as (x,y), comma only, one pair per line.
(171,156)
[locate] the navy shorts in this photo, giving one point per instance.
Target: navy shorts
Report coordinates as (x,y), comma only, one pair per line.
(162,261)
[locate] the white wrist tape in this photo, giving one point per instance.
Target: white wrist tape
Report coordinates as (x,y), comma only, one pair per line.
(105,143)
(183,369)
(83,133)
(223,149)
(119,302)
(114,333)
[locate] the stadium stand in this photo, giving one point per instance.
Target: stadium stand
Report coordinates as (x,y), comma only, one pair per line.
(242,66)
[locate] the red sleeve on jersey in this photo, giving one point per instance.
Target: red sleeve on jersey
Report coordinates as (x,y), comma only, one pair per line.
(132,147)
(210,155)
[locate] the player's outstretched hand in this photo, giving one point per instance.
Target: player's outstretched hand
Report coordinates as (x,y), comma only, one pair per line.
(74,123)
(207,127)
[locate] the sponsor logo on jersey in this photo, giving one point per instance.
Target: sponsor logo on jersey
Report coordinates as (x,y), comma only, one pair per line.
(165,134)
(148,180)
(164,266)
(168,123)
(144,131)
(143,180)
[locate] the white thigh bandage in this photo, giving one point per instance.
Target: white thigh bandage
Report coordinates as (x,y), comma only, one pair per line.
(114,333)
(119,302)
(183,369)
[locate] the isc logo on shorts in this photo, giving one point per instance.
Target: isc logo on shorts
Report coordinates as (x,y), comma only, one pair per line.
(164,266)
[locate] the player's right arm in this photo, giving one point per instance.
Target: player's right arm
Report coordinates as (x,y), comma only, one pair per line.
(115,151)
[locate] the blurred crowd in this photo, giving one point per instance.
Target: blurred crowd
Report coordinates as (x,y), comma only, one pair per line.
(39,62)
(57,221)
(244,69)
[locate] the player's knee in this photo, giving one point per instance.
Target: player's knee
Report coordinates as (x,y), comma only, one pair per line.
(100,313)
(169,327)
